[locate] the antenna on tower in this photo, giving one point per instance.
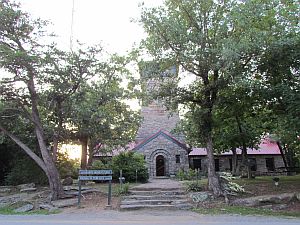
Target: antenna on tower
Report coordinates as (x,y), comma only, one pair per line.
(72,23)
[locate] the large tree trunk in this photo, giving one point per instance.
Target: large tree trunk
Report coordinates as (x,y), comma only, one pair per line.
(214,184)
(51,170)
(84,151)
(244,162)
(55,147)
(282,155)
(234,161)
(91,152)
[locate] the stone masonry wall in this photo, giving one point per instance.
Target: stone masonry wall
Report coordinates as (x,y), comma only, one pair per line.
(155,118)
(225,165)
(165,147)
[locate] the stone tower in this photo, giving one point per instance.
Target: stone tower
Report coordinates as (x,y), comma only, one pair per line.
(164,152)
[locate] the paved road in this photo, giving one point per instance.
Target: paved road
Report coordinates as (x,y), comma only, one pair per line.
(141,218)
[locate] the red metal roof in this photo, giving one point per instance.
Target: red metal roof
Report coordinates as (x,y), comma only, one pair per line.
(266,147)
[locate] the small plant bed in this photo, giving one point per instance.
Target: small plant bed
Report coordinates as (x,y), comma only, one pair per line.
(10,211)
(221,208)
(260,186)
(94,197)
(266,186)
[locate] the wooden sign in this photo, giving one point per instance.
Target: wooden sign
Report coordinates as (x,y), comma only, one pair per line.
(95,177)
(85,175)
(96,172)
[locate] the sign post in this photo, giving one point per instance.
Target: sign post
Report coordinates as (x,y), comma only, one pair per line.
(104,175)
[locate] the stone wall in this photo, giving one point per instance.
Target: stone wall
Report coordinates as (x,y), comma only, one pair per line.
(168,149)
(155,118)
(224,162)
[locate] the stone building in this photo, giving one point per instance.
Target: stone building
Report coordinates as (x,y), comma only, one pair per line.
(165,153)
(264,160)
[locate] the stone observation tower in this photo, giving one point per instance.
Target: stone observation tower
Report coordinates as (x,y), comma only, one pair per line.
(165,153)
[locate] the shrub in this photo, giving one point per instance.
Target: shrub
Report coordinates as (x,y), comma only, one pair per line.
(123,189)
(129,162)
(194,186)
(67,167)
(189,175)
(99,165)
(25,170)
(180,175)
(227,185)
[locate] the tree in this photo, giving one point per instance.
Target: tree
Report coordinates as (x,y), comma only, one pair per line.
(279,68)
(100,117)
(189,34)
(215,42)
(65,73)
(22,56)
(239,122)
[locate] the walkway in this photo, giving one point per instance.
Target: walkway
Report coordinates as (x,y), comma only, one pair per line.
(157,194)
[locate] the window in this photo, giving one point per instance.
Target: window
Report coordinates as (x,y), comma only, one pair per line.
(252,164)
(217,165)
(230,164)
(270,164)
(197,164)
(177,158)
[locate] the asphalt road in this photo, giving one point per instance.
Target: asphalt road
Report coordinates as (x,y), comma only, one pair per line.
(141,218)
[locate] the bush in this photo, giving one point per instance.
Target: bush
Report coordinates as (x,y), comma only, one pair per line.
(227,185)
(25,170)
(67,167)
(180,175)
(194,186)
(123,189)
(129,162)
(189,175)
(99,165)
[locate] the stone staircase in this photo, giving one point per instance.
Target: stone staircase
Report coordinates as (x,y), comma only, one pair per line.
(159,197)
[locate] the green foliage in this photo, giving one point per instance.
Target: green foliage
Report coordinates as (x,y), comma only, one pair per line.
(239,210)
(228,185)
(180,175)
(99,165)
(194,186)
(123,189)
(24,171)
(66,166)
(189,175)
(129,162)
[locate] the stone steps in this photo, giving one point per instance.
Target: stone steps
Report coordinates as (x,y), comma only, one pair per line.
(151,197)
(155,193)
(156,207)
(164,198)
(153,202)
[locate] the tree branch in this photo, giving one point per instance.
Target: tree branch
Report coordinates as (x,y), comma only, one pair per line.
(28,151)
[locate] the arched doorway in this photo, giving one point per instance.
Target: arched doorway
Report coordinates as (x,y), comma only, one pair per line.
(160,166)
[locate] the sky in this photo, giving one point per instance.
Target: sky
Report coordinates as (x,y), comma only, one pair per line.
(105,22)
(94,21)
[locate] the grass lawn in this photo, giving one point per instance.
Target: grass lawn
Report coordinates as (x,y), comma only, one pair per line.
(10,211)
(256,187)
(238,210)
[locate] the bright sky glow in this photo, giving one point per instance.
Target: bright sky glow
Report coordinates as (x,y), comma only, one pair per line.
(105,22)
(95,21)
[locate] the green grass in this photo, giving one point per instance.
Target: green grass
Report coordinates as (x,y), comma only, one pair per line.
(267,179)
(237,210)
(260,180)
(10,211)
(266,182)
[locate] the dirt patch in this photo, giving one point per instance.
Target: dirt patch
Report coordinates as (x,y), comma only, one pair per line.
(94,202)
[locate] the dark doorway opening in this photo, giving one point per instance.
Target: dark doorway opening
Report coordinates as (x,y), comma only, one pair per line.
(160,166)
